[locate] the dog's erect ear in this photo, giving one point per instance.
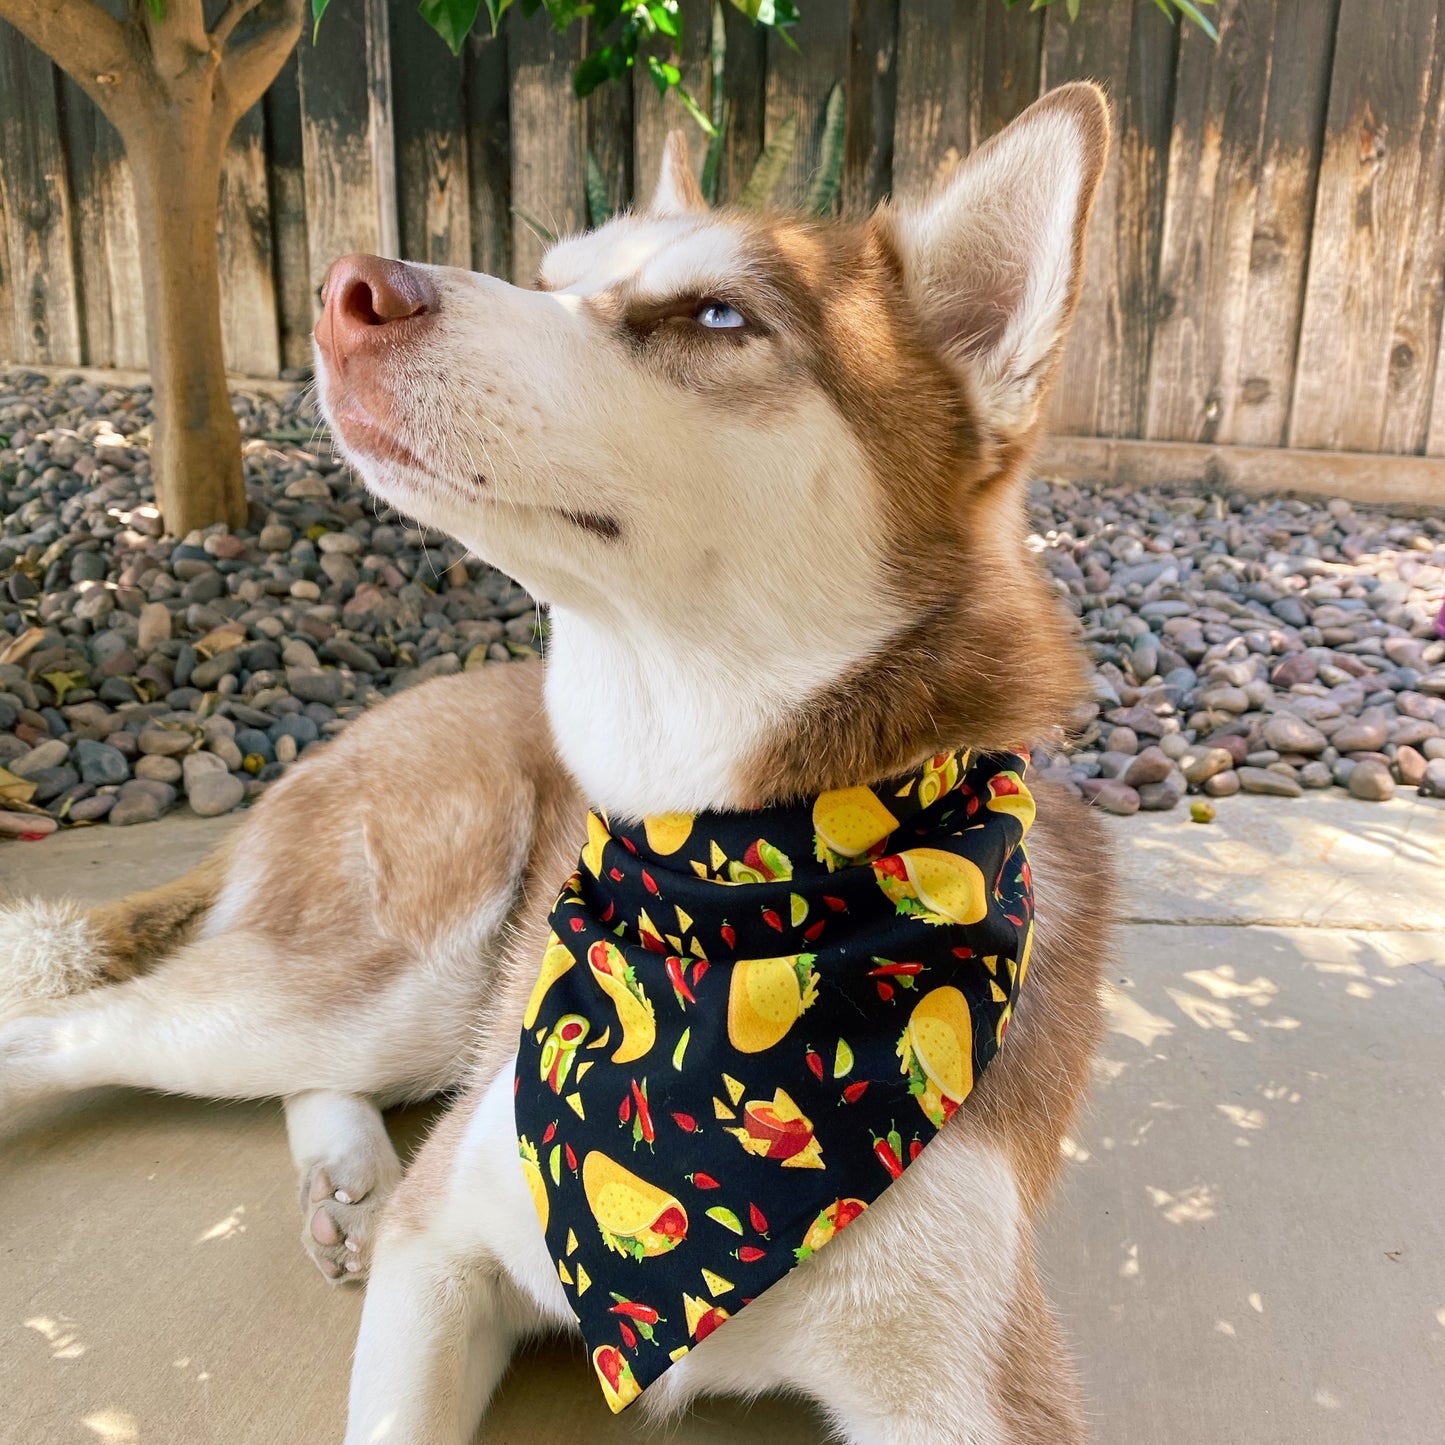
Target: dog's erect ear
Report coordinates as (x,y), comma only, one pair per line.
(992,261)
(677,193)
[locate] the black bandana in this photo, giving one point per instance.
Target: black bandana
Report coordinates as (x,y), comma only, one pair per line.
(747,1025)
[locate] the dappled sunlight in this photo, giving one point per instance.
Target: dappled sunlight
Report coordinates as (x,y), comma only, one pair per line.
(1193,1205)
(1222,983)
(1129,1017)
(1241,1117)
(117,1427)
(227,1228)
(59,1334)
(1207,1014)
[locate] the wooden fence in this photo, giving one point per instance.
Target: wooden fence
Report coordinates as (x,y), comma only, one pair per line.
(1265,270)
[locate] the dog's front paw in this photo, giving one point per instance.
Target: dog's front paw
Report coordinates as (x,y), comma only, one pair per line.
(341,1206)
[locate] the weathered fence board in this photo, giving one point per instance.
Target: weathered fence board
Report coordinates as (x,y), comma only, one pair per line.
(1208,231)
(1266,262)
(489,152)
(248,297)
(1299,88)
(1372,188)
(872,96)
(799,82)
(44,305)
(346,140)
(433,211)
(549,148)
(295,305)
(964,71)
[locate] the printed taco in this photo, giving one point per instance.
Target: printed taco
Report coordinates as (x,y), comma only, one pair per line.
(766,998)
(634,1217)
(616,979)
(847,823)
(532,1173)
(937,1053)
(619,1384)
(933,885)
(1008,793)
(555,962)
(835,1217)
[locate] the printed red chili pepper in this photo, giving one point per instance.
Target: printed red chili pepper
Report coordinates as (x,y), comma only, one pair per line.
(624,1110)
(854,1092)
(915,1149)
(549,1133)
(886,1156)
(571,1157)
(698,969)
(885,990)
(891,970)
(759,1219)
(815,1063)
(648,881)
(577,924)
(644,1114)
(703,1181)
(770,917)
(643,1314)
(836,904)
(679,980)
(729,935)
(815,931)
(750,1254)
(686,1123)
(629,1338)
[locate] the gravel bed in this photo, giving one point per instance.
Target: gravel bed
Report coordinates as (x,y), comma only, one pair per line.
(135,669)
(1260,644)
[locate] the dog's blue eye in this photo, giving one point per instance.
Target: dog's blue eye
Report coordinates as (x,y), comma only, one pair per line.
(719,317)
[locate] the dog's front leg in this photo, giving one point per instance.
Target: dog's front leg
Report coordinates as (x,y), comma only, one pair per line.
(461,1273)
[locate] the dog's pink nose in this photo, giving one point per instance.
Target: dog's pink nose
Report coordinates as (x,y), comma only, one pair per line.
(368,298)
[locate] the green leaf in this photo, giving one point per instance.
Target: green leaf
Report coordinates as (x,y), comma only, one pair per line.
(534,226)
(1206,25)
(318,9)
(663,14)
(712,162)
(828,178)
(599,204)
(690,104)
(772,165)
(664,75)
(158,9)
(451,19)
(1073,9)
(495,10)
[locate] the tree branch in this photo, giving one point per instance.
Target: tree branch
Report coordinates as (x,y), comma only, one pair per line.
(235,12)
(83,40)
(250,65)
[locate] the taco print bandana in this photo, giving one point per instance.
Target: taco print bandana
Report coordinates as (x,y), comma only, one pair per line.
(747,1025)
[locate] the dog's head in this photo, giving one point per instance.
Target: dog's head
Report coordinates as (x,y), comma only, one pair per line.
(778,450)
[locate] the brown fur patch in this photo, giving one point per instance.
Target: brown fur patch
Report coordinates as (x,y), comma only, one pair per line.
(137,931)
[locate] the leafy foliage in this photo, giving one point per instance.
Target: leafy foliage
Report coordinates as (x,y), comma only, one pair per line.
(1187,8)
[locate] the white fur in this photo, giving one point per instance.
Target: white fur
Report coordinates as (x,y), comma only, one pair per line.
(47,951)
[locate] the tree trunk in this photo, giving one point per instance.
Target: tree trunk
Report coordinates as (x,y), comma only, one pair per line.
(175,90)
(196,447)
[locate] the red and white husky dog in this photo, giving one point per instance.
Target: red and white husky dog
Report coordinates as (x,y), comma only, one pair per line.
(767,473)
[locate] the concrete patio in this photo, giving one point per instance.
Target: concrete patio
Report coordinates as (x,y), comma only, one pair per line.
(1250,1245)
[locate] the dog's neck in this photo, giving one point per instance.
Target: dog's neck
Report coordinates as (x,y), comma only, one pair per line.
(650,719)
